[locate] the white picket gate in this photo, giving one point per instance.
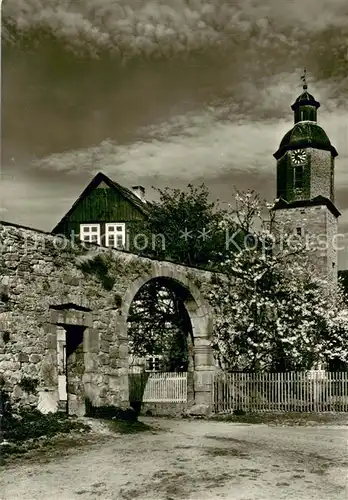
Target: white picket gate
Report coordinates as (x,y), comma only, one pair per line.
(166,388)
(313,391)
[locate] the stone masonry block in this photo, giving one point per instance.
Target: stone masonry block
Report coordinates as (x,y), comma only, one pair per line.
(103,358)
(91,340)
(123,350)
(87,319)
(106,336)
(34,358)
(104,346)
(91,362)
(23,357)
(51,341)
(114,352)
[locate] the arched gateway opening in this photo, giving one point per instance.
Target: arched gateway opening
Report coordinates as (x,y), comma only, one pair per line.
(186,348)
(160,332)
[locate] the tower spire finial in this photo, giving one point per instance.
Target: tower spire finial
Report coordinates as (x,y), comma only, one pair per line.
(303,78)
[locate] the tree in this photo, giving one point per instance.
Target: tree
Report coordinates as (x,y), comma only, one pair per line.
(183,226)
(191,228)
(272,312)
(193,231)
(159,325)
(343,278)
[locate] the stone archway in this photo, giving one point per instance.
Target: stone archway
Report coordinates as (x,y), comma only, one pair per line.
(201,321)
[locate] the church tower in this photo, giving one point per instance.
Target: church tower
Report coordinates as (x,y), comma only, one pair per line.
(305,184)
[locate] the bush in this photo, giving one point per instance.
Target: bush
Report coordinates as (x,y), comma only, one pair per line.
(7,419)
(29,385)
(29,423)
(32,424)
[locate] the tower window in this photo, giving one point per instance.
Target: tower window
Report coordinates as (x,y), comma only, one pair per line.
(298,177)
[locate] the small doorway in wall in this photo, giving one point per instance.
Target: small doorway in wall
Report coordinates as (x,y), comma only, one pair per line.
(71,367)
(61,363)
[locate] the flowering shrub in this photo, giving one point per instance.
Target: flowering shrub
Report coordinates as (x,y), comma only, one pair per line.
(273,312)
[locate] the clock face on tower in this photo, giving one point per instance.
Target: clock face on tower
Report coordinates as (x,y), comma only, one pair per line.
(298,156)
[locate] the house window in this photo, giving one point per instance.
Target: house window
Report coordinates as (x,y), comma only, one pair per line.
(298,177)
(153,363)
(115,235)
(299,231)
(90,233)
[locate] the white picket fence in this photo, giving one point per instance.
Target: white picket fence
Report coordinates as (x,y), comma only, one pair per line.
(314,391)
(166,388)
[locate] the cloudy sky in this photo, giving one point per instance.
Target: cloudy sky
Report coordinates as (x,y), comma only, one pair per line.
(162,93)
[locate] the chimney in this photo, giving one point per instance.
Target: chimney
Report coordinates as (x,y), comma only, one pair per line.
(139,191)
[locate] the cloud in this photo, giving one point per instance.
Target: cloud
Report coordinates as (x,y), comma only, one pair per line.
(206,93)
(214,142)
(205,149)
(36,204)
(131,28)
(251,77)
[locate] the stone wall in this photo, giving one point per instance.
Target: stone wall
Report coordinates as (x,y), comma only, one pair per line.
(333,245)
(319,227)
(320,165)
(43,288)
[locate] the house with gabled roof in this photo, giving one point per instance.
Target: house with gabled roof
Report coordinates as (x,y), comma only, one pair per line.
(109,214)
(105,213)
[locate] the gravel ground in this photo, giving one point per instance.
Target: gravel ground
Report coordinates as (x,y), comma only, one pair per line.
(192,459)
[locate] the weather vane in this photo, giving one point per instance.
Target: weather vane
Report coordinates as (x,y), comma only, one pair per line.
(303,78)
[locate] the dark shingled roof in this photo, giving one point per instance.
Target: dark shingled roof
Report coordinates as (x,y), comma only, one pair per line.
(127,193)
(305,134)
(317,201)
(305,98)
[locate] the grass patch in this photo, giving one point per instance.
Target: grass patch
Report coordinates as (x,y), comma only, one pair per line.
(124,427)
(43,449)
(285,418)
(26,428)
(172,485)
(31,424)
(119,420)
(225,452)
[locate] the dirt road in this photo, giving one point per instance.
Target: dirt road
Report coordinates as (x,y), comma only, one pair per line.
(193,460)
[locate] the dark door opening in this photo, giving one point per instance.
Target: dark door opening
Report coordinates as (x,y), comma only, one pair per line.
(75,367)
